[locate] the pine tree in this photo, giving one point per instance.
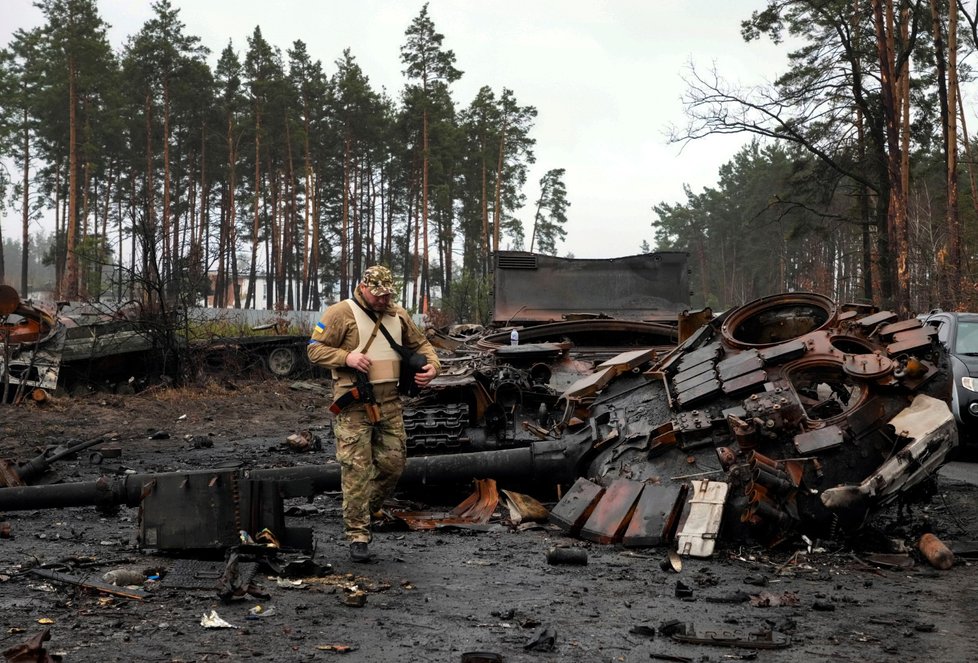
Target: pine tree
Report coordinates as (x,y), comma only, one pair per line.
(551,212)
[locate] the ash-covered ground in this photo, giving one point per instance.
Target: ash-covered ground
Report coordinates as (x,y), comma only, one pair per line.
(437,595)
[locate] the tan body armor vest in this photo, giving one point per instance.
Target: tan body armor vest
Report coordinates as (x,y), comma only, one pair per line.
(385,363)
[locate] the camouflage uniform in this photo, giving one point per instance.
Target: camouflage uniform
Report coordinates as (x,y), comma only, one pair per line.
(371,455)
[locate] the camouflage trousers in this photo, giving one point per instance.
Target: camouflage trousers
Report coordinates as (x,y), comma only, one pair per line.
(371,458)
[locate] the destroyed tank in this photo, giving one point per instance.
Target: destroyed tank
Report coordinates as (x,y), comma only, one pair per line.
(571,314)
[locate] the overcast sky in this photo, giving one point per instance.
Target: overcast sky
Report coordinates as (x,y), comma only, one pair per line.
(605,78)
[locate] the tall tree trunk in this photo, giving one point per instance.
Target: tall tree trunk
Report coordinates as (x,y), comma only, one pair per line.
(314,245)
(307,246)
(968,303)
(253,268)
(345,223)
(69,288)
(169,255)
(497,212)
(425,287)
(484,237)
(946,270)
(26,217)
(953,221)
(896,209)
(151,270)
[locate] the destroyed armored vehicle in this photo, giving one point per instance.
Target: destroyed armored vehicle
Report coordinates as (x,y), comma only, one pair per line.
(788,416)
(569,314)
(31,341)
(87,347)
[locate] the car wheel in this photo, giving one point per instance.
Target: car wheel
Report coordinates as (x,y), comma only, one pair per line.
(281,361)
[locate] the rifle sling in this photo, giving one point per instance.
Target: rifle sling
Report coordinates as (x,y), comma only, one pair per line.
(373,334)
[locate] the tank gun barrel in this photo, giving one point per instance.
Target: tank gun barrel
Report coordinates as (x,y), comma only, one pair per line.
(547,460)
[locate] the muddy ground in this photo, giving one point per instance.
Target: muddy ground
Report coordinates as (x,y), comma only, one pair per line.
(435,595)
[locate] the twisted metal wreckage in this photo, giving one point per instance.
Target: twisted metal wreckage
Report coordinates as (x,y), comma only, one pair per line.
(791,415)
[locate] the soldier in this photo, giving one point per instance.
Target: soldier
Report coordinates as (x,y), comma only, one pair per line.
(366,365)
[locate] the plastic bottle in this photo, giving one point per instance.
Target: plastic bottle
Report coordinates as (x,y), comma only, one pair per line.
(514,337)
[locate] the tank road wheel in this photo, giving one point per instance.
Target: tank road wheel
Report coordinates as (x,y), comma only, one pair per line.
(281,362)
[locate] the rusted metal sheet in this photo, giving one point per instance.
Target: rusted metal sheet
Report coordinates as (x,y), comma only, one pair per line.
(745,383)
(696,371)
(818,440)
(690,321)
(692,381)
(476,509)
(745,362)
(699,393)
(589,385)
(611,515)
(656,515)
(889,330)
(883,317)
(531,287)
(784,352)
(707,354)
(575,507)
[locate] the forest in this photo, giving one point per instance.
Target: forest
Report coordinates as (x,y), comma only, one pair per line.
(860,180)
(171,180)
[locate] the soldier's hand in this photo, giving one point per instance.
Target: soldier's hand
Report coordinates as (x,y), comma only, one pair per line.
(358,361)
(426,375)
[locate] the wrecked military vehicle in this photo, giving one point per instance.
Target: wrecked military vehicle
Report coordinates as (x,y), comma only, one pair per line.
(569,315)
(791,415)
(104,347)
(31,342)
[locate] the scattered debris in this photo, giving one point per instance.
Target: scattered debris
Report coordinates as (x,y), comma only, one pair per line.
(303,441)
(31,651)
(564,555)
(124,577)
(935,552)
(760,639)
(213,620)
(91,583)
(544,639)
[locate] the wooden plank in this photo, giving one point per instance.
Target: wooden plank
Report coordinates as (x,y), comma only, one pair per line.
(91,583)
(627,361)
(589,384)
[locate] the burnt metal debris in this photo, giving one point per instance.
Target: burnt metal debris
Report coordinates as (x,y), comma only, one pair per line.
(791,415)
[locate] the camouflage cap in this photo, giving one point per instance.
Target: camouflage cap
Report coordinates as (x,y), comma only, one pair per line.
(379,281)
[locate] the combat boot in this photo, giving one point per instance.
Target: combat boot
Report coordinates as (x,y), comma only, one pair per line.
(359,552)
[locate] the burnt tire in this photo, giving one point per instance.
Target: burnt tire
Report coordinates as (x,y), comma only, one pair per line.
(281,362)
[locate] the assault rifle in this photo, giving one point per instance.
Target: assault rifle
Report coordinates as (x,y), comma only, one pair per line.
(362,392)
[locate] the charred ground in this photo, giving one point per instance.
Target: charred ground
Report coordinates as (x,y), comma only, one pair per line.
(434,595)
